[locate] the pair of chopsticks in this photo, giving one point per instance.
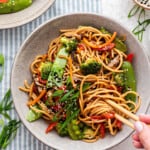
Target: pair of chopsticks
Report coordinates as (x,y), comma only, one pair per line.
(126,112)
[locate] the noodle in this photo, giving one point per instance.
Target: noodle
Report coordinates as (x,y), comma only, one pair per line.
(95,112)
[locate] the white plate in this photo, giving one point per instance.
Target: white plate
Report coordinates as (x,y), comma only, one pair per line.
(22,17)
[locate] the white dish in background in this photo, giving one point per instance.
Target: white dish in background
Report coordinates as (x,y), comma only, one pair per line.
(34,46)
(24,16)
(143,3)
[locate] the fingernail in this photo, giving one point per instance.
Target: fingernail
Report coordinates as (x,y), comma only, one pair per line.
(138,126)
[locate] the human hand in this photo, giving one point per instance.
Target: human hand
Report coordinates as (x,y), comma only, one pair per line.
(141,138)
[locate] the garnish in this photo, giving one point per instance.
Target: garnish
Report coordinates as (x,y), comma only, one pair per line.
(142,22)
(1,67)
(8,133)
(6,105)
(8,129)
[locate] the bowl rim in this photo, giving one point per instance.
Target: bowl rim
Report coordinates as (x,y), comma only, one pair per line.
(142,5)
(47,22)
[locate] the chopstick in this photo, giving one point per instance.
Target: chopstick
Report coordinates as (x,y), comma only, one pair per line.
(123,120)
(126,112)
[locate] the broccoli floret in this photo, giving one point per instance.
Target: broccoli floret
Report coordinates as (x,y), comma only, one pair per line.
(90,66)
(57,70)
(75,130)
(70,44)
(45,69)
(61,132)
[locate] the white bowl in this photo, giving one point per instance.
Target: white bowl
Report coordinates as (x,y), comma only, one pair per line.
(37,43)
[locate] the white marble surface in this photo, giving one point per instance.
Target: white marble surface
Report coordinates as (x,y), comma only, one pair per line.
(118,10)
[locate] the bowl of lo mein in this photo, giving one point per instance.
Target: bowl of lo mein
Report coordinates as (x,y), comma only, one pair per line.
(66,73)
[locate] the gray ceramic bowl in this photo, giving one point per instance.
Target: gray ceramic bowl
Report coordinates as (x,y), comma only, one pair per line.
(37,43)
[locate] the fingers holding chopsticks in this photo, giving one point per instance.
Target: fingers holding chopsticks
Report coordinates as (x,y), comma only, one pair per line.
(141,138)
(145,118)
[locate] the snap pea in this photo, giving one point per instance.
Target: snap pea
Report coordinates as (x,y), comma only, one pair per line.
(14,5)
(32,115)
(129,79)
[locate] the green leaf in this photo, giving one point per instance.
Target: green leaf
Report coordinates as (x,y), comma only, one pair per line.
(8,130)
(2,66)
(32,115)
(8,133)
(6,104)
(140,28)
(2,122)
(133,11)
(6,115)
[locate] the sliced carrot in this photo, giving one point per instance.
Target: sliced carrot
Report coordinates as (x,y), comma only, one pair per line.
(111,39)
(37,98)
(102,45)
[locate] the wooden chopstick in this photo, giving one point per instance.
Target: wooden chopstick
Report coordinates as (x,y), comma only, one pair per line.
(123,120)
(126,112)
(123,110)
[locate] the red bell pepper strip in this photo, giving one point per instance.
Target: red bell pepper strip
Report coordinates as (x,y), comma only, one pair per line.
(97,117)
(51,127)
(130,57)
(102,131)
(107,47)
(81,46)
(3,1)
(119,124)
(109,115)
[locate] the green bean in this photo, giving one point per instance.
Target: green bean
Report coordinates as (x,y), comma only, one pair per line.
(72,116)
